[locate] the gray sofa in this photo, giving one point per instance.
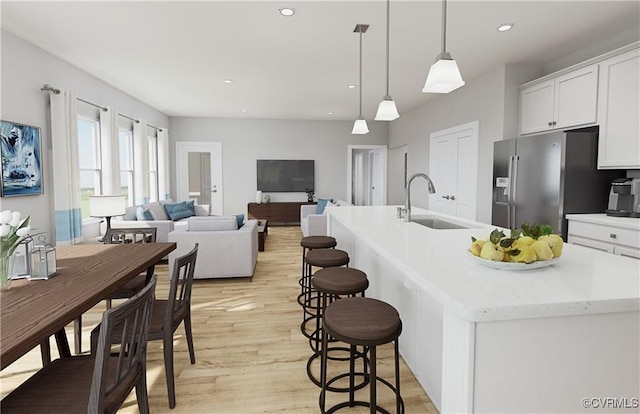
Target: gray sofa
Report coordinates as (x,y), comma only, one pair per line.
(224,250)
(161,220)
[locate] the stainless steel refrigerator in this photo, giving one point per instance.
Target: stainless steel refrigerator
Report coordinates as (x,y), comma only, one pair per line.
(541,178)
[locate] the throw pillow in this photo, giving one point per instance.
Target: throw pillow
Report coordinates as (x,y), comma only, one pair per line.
(322,203)
(143,214)
(180,210)
(240,218)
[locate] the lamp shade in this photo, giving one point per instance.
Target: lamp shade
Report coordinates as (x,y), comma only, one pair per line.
(387,110)
(444,77)
(106,205)
(360,127)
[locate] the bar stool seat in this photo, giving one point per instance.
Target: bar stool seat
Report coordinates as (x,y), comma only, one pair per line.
(318,242)
(340,281)
(332,283)
(367,322)
(327,258)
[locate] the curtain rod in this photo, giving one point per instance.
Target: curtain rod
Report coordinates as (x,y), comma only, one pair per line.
(47,88)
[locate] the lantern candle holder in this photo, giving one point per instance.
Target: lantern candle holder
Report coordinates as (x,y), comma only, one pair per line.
(43,260)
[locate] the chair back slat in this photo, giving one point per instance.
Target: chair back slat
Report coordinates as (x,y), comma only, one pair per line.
(117,367)
(131,235)
(181,283)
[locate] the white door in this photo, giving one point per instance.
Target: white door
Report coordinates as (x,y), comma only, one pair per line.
(358,179)
(381,173)
(376,179)
(199,173)
(453,167)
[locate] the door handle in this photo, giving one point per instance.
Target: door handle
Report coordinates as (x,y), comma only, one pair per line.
(453,198)
(445,196)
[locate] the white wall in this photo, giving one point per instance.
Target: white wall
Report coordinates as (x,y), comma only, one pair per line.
(25,68)
(246,140)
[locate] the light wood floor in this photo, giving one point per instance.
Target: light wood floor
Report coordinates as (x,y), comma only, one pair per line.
(250,354)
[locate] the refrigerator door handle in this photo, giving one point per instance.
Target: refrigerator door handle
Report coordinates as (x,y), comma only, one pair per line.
(509,190)
(514,191)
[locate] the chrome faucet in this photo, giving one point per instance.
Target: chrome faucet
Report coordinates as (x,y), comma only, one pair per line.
(407,202)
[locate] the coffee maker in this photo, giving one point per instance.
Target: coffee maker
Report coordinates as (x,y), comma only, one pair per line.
(624,198)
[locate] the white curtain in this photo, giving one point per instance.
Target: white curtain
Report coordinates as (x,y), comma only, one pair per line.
(163,164)
(109,139)
(66,175)
(140,162)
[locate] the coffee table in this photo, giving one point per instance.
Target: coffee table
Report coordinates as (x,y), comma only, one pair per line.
(263,232)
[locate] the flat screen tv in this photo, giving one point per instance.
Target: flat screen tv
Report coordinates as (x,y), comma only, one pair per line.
(285,176)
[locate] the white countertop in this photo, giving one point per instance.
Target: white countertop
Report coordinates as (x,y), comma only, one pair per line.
(584,281)
(632,223)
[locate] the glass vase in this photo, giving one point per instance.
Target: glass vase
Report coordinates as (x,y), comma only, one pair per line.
(6,263)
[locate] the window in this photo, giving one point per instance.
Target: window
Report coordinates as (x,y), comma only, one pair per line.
(153,169)
(125,151)
(89,161)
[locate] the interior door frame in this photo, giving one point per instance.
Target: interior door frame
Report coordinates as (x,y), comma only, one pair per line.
(183,148)
(350,150)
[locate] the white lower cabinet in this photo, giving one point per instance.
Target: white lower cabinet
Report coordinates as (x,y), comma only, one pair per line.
(615,240)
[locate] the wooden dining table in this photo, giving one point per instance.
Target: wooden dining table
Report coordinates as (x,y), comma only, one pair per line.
(33,311)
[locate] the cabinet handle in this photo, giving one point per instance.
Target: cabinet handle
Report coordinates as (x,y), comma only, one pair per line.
(453,197)
(613,235)
(445,196)
(549,123)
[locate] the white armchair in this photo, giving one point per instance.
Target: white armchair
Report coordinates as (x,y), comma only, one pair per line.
(312,224)
(223,251)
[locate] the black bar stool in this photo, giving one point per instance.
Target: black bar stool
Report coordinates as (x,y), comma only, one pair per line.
(310,243)
(364,322)
(319,258)
(333,283)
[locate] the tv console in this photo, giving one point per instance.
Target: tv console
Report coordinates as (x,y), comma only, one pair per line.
(278,214)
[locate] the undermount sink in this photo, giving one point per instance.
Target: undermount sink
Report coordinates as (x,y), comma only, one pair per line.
(436,223)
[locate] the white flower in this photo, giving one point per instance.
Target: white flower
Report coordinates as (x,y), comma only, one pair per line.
(15,219)
(4,230)
(5,217)
(23,231)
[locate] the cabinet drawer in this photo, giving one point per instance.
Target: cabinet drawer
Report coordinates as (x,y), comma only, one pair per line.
(615,235)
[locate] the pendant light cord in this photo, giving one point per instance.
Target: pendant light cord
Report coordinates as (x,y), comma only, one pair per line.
(360,73)
(444,25)
(388,2)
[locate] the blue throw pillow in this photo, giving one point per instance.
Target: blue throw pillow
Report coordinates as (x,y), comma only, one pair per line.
(240,218)
(180,210)
(143,214)
(322,203)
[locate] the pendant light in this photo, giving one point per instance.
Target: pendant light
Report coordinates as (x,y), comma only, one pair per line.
(387,110)
(444,75)
(360,126)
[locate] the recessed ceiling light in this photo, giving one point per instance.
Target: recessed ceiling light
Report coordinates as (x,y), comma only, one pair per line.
(244,110)
(330,113)
(351,86)
(228,81)
(504,27)
(287,11)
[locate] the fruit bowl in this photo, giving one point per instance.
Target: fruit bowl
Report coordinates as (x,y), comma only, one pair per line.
(513,265)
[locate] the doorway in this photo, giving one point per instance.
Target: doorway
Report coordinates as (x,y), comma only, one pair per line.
(199,173)
(367,175)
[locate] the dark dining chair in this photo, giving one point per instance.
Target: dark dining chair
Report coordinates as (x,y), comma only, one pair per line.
(98,383)
(167,316)
(121,236)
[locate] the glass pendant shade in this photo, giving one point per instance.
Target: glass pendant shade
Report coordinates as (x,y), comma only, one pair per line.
(360,127)
(444,77)
(387,110)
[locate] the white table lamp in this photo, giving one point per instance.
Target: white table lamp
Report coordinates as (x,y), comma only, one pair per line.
(106,206)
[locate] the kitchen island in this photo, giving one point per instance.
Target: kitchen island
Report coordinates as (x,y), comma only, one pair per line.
(479,339)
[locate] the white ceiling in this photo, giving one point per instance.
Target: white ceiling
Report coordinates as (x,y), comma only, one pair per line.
(174,55)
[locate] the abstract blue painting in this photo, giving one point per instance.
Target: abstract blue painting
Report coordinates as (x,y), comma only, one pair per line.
(21,160)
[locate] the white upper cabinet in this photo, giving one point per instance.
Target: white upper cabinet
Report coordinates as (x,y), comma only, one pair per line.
(560,102)
(619,111)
